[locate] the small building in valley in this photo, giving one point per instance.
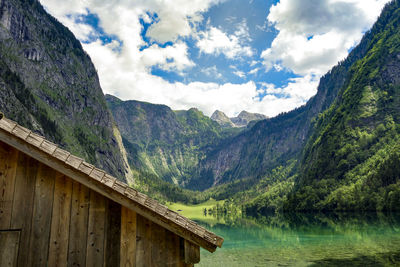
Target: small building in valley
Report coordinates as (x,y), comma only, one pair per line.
(58,210)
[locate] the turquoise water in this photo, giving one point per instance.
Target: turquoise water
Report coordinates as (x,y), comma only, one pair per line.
(307,240)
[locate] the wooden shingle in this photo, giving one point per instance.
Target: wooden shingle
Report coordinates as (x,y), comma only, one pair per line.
(48,147)
(61,154)
(7,125)
(97,174)
(74,161)
(21,132)
(35,139)
(108,180)
(86,167)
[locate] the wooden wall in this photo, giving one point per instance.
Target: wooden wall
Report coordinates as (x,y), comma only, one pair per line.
(47,219)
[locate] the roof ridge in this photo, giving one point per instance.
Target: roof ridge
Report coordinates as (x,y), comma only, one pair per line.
(98,175)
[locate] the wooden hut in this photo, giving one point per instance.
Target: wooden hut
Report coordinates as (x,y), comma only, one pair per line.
(58,210)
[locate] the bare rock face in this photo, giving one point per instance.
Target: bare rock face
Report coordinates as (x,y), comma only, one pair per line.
(222,119)
(242,120)
(49,84)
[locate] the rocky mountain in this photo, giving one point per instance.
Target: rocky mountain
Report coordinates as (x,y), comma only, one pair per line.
(162,142)
(222,119)
(242,120)
(49,84)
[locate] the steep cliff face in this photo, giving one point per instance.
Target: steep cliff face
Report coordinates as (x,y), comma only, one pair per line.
(163,142)
(49,84)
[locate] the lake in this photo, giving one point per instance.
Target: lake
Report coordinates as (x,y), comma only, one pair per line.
(305,240)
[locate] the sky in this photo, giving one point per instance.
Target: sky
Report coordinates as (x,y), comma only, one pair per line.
(263,56)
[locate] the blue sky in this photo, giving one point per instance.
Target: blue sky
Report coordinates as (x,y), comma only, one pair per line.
(262,56)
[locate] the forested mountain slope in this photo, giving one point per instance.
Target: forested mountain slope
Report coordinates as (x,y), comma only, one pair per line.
(49,84)
(352,159)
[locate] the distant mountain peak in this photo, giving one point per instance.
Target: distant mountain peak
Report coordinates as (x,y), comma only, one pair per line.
(222,119)
(242,120)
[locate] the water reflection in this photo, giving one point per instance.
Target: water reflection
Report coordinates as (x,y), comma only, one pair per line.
(337,239)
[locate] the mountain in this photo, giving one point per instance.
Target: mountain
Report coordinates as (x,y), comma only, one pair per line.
(49,84)
(242,120)
(352,159)
(222,119)
(162,142)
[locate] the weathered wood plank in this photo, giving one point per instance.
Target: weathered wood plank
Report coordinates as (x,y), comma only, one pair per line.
(8,167)
(78,225)
(113,234)
(143,243)
(41,219)
(25,179)
(9,243)
(58,251)
(173,250)
(96,229)
(158,246)
(192,253)
(128,237)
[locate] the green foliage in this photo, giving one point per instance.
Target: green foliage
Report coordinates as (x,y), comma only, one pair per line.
(351,160)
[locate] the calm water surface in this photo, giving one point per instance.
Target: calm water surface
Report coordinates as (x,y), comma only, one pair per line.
(306,240)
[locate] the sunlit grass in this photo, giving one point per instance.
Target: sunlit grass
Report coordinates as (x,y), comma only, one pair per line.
(196,212)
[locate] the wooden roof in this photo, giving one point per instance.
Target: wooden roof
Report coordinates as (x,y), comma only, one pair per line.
(76,168)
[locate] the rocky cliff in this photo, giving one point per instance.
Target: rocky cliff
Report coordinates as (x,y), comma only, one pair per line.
(49,84)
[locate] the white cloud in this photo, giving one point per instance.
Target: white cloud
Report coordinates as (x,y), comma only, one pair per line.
(300,89)
(240,74)
(254,71)
(215,41)
(315,35)
(173,57)
(212,72)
